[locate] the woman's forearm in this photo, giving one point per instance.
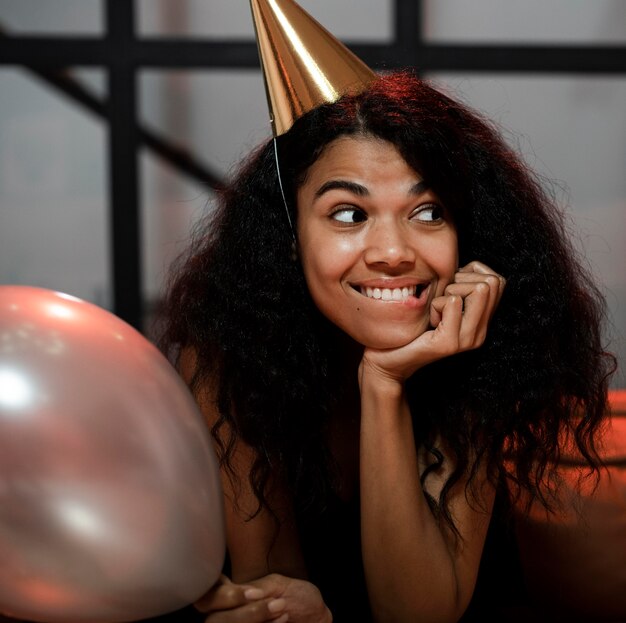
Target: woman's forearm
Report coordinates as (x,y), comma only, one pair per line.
(414,565)
(407,565)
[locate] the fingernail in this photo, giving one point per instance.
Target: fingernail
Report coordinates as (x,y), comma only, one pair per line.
(254,593)
(276,605)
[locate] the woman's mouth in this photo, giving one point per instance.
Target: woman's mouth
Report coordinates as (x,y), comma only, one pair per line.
(393,294)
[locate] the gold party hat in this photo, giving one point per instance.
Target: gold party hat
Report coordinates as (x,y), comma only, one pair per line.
(303,64)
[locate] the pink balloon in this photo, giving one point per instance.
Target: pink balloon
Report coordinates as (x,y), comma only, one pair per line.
(110,500)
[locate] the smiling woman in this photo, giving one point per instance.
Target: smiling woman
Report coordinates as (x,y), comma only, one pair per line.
(390,360)
(369,393)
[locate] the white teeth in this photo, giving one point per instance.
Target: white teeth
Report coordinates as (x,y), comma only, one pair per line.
(388,294)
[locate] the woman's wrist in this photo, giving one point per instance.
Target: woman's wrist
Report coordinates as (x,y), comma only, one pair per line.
(375,379)
(380,387)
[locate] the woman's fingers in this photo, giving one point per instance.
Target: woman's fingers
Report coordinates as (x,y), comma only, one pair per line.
(256,612)
(225,595)
(475,272)
(477,310)
(228,602)
(446,317)
(480,290)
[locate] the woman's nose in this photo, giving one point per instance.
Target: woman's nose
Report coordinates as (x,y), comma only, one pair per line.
(389,244)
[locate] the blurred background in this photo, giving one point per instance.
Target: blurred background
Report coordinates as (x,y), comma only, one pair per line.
(120,118)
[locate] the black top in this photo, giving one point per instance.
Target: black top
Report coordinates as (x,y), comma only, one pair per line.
(331,544)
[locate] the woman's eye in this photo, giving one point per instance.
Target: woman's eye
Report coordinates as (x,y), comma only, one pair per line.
(349,215)
(431,213)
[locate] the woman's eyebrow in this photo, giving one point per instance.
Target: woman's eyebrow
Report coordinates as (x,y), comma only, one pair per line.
(419,188)
(353,187)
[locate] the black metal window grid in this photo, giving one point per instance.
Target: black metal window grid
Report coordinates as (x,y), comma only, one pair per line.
(122,53)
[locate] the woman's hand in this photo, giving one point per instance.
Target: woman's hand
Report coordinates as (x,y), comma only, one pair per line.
(459,318)
(276,598)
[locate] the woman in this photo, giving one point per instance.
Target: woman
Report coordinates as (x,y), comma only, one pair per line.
(370,384)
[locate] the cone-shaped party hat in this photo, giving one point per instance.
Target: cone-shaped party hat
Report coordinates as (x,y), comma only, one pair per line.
(303,64)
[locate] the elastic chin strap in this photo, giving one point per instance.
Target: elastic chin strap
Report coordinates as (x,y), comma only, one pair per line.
(282,192)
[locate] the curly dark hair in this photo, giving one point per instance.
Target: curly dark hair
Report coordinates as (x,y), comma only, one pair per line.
(241,302)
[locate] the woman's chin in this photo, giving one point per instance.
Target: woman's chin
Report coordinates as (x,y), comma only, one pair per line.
(391,339)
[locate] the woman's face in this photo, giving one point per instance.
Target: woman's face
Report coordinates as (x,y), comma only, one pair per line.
(376,243)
